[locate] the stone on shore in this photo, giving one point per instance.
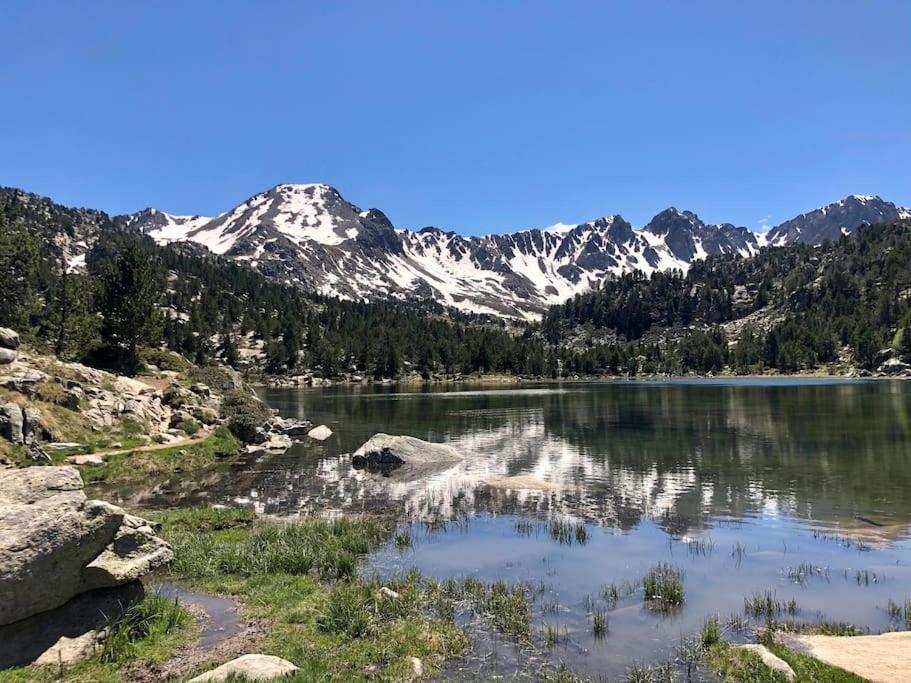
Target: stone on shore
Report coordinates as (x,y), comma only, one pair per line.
(320,433)
(56,544)
(252,667)
(771,660)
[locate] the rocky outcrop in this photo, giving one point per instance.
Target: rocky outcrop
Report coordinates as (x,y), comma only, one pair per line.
(404,454)
(249,667)
(56,544)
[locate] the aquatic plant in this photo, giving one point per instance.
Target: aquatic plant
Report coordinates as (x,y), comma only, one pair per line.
(663,586)
(599,624)
(690,651)
(768,606)
(567,533)
(404,539)
(900,611)
(805,570)
(711,631)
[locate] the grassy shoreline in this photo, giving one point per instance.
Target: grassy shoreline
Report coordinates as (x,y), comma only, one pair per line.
(304,581)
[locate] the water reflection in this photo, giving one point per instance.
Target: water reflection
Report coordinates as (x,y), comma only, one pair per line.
(676,453)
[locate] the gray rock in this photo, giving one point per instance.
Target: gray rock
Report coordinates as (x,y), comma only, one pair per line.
(201,390)
(253,667)
(67,634)
(320,433)
(204,414)
(9,339)
(55,544)
(11,423)
(771,660)
(295,427)
(7,356)
(36,453)
(385,451)
(31,424)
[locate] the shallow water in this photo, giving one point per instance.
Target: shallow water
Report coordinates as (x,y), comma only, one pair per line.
(802,488)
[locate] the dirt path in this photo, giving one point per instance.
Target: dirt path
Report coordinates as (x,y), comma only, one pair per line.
(881,659)
(93,458)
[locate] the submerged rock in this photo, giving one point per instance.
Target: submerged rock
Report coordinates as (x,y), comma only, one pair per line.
(320,433)
(55,544)
(386,452)
(252,667)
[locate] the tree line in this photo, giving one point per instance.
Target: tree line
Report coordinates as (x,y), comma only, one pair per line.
(801,307)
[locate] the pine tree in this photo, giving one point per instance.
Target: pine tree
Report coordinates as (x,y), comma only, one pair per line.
(71,324)
(130,291)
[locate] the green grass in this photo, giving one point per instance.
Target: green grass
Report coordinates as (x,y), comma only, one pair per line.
(303,578)
(734,665)
(711,631)
(328,549)
(663,586)
(134,466)
(148,632)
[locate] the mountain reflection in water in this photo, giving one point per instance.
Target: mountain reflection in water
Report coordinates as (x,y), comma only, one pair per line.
(676,453)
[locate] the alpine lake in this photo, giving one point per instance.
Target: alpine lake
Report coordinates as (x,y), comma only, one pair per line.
(775,499)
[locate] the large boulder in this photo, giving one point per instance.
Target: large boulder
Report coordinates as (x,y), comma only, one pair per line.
(7,356)
(12,421)
(250,667)
(386,452)
(9,339)
(56,544)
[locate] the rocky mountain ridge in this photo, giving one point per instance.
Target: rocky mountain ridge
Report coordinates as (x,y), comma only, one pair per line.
(309,235)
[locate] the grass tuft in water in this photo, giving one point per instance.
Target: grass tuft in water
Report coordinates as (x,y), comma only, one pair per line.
(711,631)
(766,605)
(567,533)
(404,539)
(900,612)
(663,586)
(599,624)
(804,571)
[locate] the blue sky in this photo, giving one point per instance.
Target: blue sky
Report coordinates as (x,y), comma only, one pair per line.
(473,116)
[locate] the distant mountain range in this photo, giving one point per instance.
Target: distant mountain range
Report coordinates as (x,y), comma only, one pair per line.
(311,236)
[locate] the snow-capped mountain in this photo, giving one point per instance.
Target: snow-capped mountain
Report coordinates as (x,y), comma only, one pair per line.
(311,236)
(834,220)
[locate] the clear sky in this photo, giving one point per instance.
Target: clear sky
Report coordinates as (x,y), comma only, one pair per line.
(475,116)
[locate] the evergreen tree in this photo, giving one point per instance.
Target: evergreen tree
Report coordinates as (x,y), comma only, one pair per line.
(130,291)
(71,324)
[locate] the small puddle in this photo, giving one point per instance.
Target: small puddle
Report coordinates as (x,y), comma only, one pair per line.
(221,620)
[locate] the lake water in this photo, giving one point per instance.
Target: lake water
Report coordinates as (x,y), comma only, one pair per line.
(800,488)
